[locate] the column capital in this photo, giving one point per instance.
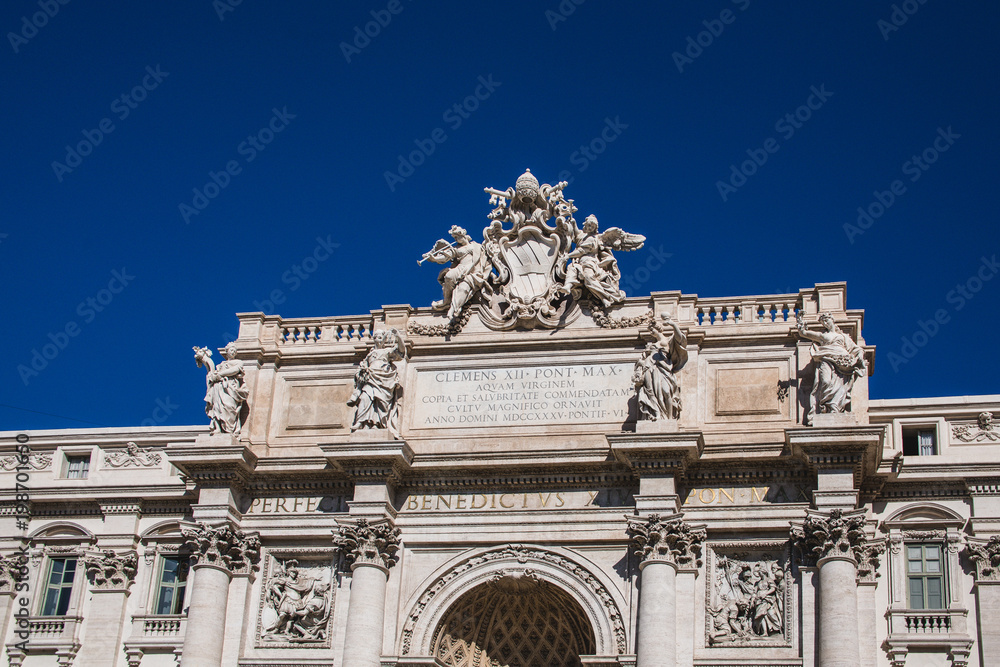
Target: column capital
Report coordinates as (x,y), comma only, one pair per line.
(827,536)
(13,568)
(869,558)
(364,542)
(986,555)
(666,539)
(110,571)
(223,547)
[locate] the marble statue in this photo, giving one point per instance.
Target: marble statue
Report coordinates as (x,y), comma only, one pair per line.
(655,373)
(377,387)
(226,393)
(300,603)
(593,267)
(469,268)
(528,272)
(839,363)
(750,601)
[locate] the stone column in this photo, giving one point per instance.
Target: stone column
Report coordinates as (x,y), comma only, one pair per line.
(370,550)
(663,545)
(219,552)
(869,559)
(831,540)
(110,575)
(986,555)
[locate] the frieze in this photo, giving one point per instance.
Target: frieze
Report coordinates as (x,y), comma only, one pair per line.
(297,599)
(982,431)
(502,502)
(35,461)
(748,597)
(132,457)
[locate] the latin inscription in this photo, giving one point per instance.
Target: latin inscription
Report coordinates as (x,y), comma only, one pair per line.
(518,501)
(730,496)
(577,394)
(297,505)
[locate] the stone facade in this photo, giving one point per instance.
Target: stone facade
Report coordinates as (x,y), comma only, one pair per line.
(504,502)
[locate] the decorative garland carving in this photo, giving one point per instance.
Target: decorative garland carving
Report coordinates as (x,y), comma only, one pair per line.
(367,543)
(982,431)
(110,571)
(986,556)
(523,555)
(838,534)
(669,539)
(223,546)
(132,457)
(453,328)
(600,316)
(34,461)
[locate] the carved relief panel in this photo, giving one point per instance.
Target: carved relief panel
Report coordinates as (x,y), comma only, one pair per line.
(297,599)
(748,599)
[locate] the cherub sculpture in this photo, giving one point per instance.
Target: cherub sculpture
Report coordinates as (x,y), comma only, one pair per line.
(592,265)
(226,393)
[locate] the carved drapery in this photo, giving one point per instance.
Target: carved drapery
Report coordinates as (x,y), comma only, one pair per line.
(223,546)
(836,535)
(667,539)
(366,543)
(110,571)
(986,556)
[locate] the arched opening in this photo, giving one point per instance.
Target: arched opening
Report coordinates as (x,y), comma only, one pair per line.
(515,620)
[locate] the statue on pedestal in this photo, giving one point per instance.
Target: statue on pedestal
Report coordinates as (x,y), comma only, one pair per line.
(655,373)
(377,387)
(839,363)
(226,393)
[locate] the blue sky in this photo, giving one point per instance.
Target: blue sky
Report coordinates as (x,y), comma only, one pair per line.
(117,113)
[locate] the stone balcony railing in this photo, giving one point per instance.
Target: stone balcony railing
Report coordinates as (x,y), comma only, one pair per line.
(690,311)
(927,621)
(52,628)
(155,634)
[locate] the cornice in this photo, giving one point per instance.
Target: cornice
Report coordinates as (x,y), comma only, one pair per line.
(657,453)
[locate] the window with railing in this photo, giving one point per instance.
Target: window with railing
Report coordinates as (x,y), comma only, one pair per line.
(172,580)
(925,576)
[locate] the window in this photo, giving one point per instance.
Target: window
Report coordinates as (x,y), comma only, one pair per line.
(58,586)
(173,580)
(77,467)
(925,576)
(919,441)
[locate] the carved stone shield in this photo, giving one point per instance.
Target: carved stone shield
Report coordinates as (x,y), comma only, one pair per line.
(531,257)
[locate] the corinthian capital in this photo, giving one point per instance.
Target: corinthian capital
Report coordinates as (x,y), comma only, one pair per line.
(838,534)
(109,571)
(666,539)
(222,546)
(365,543)
(13,568)
(986,556)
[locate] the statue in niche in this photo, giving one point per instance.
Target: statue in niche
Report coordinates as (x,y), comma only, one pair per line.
(226,393)
(655,373)
(839,363)
(592,266)
(377,388)
(750,603)
(469,267)
(300,602)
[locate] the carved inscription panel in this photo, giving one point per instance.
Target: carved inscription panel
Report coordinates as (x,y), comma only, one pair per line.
(509,502)
(522,396)
(737,496)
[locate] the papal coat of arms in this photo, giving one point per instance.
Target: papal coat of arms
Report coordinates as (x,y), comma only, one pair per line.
(527,272)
